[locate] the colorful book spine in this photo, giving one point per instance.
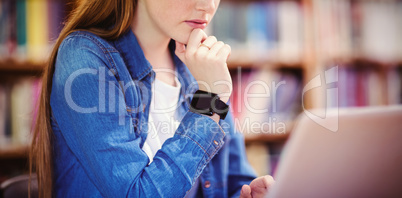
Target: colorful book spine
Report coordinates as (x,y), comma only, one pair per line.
(290,31)
(257,29)
(56,17)
(5,26)
(12,35)
(394,85)
(21,29)
(37,30)
(21,109)
(3,115)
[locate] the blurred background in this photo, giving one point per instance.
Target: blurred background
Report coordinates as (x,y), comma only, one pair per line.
(278,47)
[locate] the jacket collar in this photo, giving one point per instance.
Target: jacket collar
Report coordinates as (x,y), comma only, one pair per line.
(132,54)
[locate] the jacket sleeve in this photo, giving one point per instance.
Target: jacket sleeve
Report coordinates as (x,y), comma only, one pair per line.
(240,170)
(102,136)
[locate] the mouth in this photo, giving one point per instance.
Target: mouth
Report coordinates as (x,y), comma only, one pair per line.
(197,23)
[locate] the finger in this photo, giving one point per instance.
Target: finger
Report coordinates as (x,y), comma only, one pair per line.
(196,37)
(262,182)
(206,45)
(210,41)
(216,47)
(224,52)
(261,185)
(180,51)
(245,192)
(268,181)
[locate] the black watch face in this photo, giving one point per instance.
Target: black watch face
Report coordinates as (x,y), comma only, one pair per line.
(208,103)
(201,105)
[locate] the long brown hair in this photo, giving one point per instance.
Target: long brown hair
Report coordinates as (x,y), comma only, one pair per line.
(106,18)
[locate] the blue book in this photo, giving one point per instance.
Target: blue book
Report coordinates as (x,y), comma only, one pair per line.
(257,23)
(272,23)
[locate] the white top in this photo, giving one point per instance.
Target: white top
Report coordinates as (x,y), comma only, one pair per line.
(162,122)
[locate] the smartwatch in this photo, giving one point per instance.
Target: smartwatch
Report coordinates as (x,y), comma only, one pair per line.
(208,103)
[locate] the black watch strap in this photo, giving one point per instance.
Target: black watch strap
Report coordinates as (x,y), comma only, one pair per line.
(208,103)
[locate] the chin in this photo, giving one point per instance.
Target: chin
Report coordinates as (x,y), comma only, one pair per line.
(181,37)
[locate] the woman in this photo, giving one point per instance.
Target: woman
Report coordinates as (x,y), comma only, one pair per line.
(115,64)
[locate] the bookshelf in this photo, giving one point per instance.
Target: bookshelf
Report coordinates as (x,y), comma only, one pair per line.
(28,29)
(272,40)
(360,38)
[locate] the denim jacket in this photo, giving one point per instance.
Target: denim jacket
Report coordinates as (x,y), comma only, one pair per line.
(100,100)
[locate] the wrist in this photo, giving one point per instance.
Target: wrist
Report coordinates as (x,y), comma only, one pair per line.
(208,103)
(223,96)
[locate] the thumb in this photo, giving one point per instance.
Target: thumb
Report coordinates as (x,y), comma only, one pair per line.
(245,192)
(180,51)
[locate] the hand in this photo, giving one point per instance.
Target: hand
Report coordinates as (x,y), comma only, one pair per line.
(206,59)
(258,188)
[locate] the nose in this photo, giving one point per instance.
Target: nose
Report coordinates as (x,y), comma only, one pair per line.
(206,5)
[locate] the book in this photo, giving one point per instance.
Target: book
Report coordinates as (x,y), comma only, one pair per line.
(37,30)
(259,158)
(380,30)
(290,33)
(22,110)
(5,27)
(394,85)
(55,15)
(257,29)
(3,115)
(374,88)
(11,41)
(21,29)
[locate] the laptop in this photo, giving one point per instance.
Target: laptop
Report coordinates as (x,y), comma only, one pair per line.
(362,158)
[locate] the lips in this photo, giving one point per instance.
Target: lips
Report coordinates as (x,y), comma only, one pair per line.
(197,23)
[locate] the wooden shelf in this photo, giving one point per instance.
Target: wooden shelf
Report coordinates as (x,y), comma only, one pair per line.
(270,137)
(254,0)
(272,64)
(245,59)
(14,66)
(14,151)
(267,138)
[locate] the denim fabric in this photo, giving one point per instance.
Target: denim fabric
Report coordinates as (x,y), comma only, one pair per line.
(100,104)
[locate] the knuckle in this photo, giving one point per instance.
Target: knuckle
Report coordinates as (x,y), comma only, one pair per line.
(269,177)
(210,56)
(199,55)
(220,43)
(213,38)
(228,47)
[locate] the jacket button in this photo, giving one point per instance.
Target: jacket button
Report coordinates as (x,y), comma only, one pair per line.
(207,184)
(215,142)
